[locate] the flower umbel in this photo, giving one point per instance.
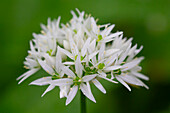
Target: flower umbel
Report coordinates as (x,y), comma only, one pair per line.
(82,52)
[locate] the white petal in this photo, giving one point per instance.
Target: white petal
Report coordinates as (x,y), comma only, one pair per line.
(58,21)
(91,97)
(47,68)
(109,52)
(86,59)
(107,31)
(111,68)
(144,85)
(50,87)
(130,79)
(87,91)
(49,21)
(137,51)
(66,45)
(85,46)
(73,46)
(74,15)
(99,85)
(61,73)
(35,35)
(92,46)
(66,53)
(107,79)
(68,72)
(71,94)
(69,63)
(102,73)
(124,55)
(64,90)
(131,64)
(43,27)
(93,54)
(58,60)
(27,74)
(112,58)
(49,60)
(31,62)
(104,25)
(42,81)
(113,35)
(101,51)
(32,47)
(112,77)
(87,78)
(131,51)
(94,26)
(78,67)
(87,32)
(136,69)
(62,81)
(107,40)
(53,46)
(128,41)
(122,82)
(139,75)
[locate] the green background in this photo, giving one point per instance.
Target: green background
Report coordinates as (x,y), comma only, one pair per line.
(148,21)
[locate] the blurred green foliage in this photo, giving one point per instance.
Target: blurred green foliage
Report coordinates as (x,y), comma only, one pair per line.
(148,21)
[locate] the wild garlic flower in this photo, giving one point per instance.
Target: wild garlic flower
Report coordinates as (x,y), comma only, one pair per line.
(79,53)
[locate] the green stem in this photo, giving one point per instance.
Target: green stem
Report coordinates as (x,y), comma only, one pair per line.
(83,103)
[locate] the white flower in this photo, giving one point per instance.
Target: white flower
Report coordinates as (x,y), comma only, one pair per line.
(129,71)
(129,74)
(30,63)
(52,83)
(79,81)
(45,44)
(79,53)
(102,64)
(52,30)
(75,51)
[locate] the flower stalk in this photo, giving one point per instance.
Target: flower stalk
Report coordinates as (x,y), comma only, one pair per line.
(82,103)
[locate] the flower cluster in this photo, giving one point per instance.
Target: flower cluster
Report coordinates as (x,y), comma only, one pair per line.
(81,53)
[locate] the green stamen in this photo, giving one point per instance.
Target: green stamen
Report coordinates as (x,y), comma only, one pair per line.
(99,38)
(77,81)
(75,31)
(89,71)
(76,57)
(49,52)
(80,58)
(101,66)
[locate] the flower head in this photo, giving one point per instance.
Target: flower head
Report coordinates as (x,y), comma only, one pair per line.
(82,52)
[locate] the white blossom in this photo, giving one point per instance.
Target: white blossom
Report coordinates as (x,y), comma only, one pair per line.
(81,52)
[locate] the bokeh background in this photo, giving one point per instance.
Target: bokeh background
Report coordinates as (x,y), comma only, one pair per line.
(148,21)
